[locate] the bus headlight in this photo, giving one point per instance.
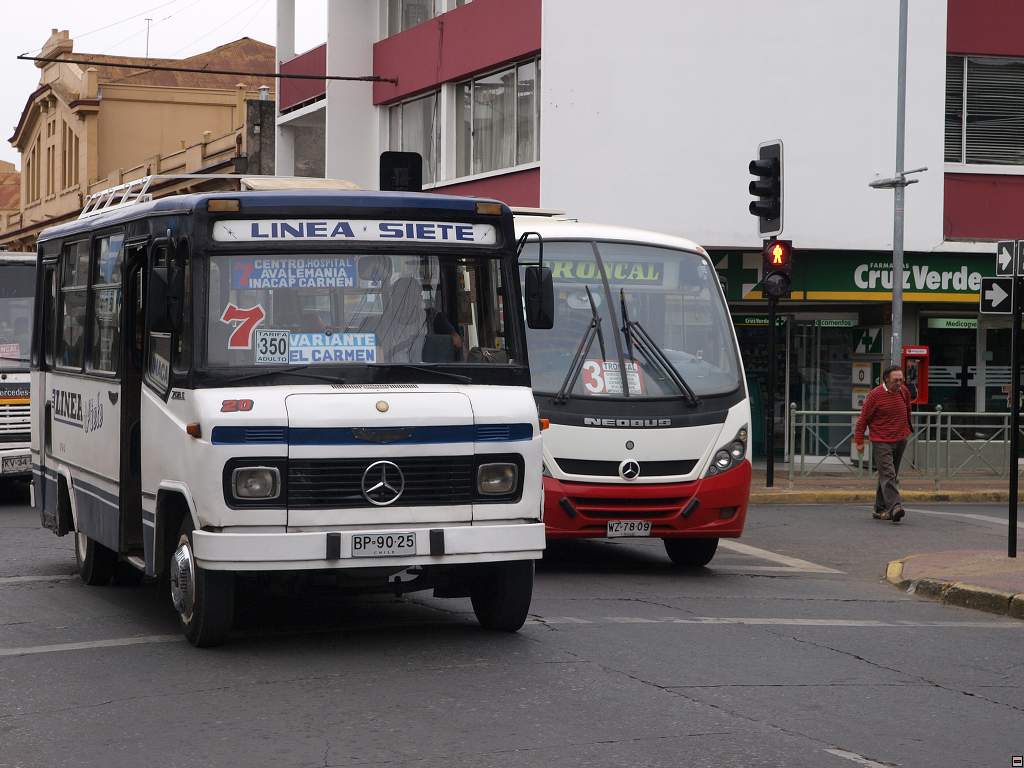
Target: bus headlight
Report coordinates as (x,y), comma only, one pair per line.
(256,482)
(498,479)
(731,454)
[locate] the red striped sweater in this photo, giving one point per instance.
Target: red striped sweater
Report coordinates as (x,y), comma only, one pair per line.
(886,416)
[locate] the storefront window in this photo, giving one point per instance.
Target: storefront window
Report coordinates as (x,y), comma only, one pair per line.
(952,345)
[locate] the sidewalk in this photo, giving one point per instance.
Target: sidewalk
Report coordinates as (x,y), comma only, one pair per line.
(979,579)
(848,487)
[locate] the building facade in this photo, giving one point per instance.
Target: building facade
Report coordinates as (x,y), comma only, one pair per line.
(97,121)
(647,116)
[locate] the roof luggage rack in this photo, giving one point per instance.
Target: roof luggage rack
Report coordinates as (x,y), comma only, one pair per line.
(134,192)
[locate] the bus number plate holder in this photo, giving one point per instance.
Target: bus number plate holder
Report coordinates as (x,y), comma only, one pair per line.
(620,529)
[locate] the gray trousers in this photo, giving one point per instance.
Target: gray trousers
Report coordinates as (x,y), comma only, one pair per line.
(887,459)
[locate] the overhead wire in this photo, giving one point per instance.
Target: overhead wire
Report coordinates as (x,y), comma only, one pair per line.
(113,23)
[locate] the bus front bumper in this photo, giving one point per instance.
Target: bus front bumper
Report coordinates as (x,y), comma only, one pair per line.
(714,507)
(329,550)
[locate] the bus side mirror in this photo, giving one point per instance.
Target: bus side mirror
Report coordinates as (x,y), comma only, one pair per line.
(539,295)
(157,314)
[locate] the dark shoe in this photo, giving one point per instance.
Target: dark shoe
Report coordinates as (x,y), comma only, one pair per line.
(898,513)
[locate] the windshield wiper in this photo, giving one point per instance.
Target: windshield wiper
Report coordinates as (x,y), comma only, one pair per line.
(427,369)
(593,329)
(296,370)
(15,359)
(638,337)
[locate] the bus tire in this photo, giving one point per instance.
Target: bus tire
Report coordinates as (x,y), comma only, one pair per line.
(95,562)
(204,600)
(501,594)
(690,553)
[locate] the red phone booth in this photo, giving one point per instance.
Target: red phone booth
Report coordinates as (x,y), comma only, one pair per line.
(915,369)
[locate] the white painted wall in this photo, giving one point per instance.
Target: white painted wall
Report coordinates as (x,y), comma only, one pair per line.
(651,112)
(352,119)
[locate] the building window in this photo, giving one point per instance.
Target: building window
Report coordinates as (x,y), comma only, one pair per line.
(403,14)
(414,127)
(984,110)
(499,120)
(69,157)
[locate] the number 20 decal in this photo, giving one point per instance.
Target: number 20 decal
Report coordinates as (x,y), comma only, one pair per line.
(247,320)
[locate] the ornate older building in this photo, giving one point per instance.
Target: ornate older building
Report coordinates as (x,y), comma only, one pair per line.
(96,121)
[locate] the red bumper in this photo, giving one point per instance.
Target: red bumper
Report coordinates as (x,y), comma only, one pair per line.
(713,507)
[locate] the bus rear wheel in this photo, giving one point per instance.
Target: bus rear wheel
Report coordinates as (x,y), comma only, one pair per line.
(96,563)
(501,594)
(204,600)
(690,553)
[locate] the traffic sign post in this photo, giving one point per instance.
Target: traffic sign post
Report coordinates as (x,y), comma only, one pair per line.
(1002,296)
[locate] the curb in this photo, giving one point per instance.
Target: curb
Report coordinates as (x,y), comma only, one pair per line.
(781,496)
(957,593)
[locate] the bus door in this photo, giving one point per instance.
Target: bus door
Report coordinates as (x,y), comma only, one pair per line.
(44,482)
(132,348)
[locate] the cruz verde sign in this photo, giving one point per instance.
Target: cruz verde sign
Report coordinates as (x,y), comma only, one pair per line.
(846,276)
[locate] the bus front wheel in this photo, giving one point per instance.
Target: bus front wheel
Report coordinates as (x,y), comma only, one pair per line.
(96,563)
(501,594)
(690,553)
(204,600)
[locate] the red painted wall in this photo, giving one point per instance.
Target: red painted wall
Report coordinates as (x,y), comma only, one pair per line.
(520,188)
(475,37)
(993,27)
(983,207)
(294,92)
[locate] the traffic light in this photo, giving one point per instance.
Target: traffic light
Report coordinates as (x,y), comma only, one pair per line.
(777,267)
(767,188)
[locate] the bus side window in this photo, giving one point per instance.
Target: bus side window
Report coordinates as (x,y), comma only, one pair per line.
(105,355)
(49,329)
(183,342)
(158,344)
(74,292)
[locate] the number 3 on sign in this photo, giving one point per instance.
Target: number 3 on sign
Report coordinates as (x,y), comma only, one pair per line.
(593,377)
(247,320)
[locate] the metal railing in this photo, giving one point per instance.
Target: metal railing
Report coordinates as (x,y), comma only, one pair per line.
(943,444)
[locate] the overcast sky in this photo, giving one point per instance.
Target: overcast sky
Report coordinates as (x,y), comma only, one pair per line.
(179,28)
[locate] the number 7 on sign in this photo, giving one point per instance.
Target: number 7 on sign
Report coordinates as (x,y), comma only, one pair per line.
(247,319)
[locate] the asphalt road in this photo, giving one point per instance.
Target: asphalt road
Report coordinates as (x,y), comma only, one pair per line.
(789,650)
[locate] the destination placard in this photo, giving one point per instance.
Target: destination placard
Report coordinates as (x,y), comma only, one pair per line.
(353,230)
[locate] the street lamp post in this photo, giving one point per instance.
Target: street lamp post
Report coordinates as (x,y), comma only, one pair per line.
(898,183)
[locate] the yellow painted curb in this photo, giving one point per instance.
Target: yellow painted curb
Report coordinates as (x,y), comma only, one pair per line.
(894,572)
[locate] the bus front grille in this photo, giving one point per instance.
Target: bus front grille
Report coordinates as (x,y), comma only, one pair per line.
(337,483)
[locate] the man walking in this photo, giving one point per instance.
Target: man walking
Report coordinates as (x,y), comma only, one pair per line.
(886,416)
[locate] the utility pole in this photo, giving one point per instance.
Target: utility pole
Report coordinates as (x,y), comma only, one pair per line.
(899,193)
(898,183)
(148,22)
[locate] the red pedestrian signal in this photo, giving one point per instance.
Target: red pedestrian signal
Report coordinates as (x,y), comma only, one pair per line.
(777,267)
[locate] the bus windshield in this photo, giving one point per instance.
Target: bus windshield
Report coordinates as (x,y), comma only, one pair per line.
(356,309)
(17,287)
(670,296)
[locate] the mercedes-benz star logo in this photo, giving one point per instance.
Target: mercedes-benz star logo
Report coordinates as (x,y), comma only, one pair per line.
(629,470)
(383,483)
